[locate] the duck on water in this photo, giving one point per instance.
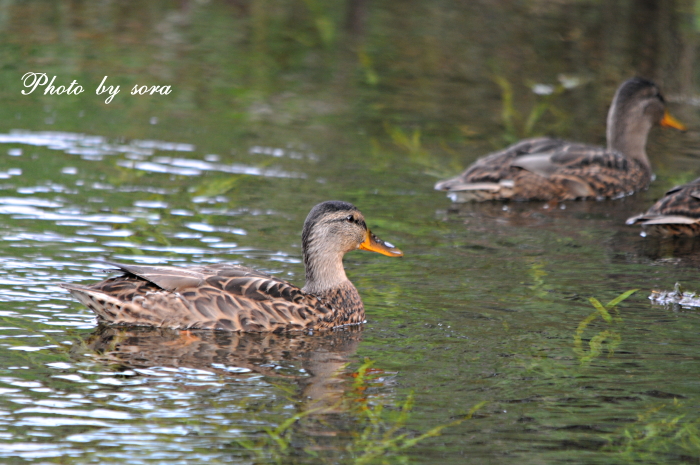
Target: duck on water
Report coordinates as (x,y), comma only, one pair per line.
(553,169)
(236,298)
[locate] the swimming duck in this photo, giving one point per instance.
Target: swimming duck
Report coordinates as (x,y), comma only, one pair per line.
(236,298)
(677,213)
(552,169)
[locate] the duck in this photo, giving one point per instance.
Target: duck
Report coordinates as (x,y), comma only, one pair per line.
(549,169)
(677,213)
(236,298)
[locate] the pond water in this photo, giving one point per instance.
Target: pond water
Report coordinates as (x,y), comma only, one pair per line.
(485,327)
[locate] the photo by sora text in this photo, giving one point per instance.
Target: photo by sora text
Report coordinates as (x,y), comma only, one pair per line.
(33,81)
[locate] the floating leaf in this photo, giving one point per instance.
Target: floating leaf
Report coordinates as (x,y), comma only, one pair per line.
(602,310)
(621,297)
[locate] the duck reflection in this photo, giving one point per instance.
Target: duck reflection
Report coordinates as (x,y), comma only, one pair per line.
(316,362)
(679,250)
(592,224)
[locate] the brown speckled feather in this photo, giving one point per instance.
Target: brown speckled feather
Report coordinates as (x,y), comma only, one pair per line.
(227,297)
(677,213)
(550,169)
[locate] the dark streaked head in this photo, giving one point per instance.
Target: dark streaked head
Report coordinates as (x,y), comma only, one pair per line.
(637,106)
(334,227)
(643,97)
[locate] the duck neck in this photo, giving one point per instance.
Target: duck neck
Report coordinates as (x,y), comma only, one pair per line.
(325,279)
(628,135)
(324,271)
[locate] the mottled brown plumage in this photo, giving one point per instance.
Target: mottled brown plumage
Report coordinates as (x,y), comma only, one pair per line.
(677,213)
(553,169)
(236,298)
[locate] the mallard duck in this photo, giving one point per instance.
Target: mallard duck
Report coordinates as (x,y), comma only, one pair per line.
(236,298)
(552,169)
(677,213)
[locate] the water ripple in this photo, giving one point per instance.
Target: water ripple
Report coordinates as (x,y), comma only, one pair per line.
(89,147)
(193,167)
(96,413)
(33,213)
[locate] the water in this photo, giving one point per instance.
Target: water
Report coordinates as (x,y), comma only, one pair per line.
(276,107)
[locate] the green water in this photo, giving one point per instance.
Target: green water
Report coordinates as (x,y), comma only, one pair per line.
(278,105)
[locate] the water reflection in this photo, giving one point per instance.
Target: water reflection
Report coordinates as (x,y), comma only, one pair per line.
(681,250)
(315,362)
(565,219)
(576,224)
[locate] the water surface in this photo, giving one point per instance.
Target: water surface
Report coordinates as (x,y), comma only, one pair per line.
(277,106)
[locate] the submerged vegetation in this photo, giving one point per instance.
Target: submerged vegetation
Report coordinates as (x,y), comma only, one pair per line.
(516,125)
(609,336)
(374,431)
(666,431)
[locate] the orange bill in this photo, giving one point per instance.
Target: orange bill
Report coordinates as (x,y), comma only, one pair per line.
(671,122)
(374,244)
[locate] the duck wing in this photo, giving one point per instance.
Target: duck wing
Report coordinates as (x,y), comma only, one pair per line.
(221,296)
(549,169)
(572,157)
(174,278)
(678,207)
(497,166)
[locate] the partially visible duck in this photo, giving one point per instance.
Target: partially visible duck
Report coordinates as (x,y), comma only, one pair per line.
(552,169)
(677,213)
(236,298)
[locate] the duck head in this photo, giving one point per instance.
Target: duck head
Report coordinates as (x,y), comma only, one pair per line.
(637,106)
(332,229)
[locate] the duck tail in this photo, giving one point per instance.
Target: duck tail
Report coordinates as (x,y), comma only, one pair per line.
(106,308)
(460,191)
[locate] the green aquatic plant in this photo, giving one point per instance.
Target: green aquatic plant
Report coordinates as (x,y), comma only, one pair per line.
(515,124)
(538,273)
(664,430)
(219,186)
(147,231)
(609,336)
(378,432)
(410,143)
(367,66)
(323,23)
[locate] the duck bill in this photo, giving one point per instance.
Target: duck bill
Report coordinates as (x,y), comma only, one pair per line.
(374,244)
(669,121)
